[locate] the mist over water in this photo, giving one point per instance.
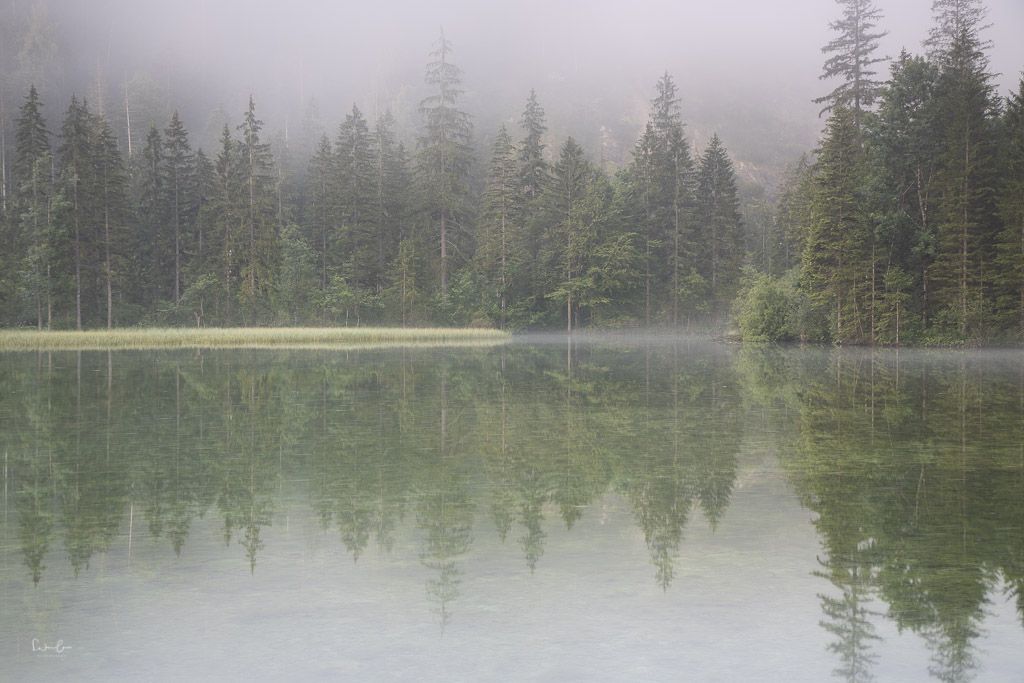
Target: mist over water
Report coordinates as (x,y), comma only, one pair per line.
(608,509)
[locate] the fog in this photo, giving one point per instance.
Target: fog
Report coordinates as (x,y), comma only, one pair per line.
(747,69)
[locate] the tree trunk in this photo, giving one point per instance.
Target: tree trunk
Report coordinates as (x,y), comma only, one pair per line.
(444,254)
(78,261)
(107,268)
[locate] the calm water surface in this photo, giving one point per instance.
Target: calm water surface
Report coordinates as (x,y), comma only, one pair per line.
(647,510)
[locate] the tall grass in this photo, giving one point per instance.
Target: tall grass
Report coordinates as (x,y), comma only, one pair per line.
(245,337)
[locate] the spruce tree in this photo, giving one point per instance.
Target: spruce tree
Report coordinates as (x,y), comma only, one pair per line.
(534,173)
(77,181)
(156,248)
(1010,258)
(203,177)
(661,186)
(533,168)
(498,230)
(645,176)
(33,190)
(200,269)
(445,153)
(391,184)
(836,270)
(904,149)
(967,222)
(567,239)
(178,184)
(112,197)
(227,212)
(322,203)
(853,58)
(260,253)
(356,194)
(718,214)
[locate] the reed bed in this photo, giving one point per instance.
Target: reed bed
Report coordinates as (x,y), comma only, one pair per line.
(246,338)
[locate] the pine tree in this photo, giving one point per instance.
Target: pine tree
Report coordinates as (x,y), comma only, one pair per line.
(533,168)
(178,183)
(356,200)
(112,196)
(155,247)
(903,148)
(203,177)
(33,190)
(644,173)
(836,270)
(227,219)
(321,214)
(259,257)
(534,174)
(445,153)
(200,269)
(1010,259)
(719,218)
(792,215)
(568,239)
(392,187)
(853,58)
(966,224)
(77,182)
(661,184)
(681,187)
(495,249)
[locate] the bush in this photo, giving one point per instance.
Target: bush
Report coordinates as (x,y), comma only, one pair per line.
(771,309)
(762,311)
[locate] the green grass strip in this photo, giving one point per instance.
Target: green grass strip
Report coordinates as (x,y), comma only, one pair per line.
(246,338)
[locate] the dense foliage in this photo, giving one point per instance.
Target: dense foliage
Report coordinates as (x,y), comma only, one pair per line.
(905,225)
(369,231)
(908,222)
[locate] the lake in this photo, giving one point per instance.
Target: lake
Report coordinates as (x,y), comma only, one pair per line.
(619,510)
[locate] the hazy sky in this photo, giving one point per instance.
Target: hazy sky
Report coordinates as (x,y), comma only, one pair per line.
(760,58)
(527,40)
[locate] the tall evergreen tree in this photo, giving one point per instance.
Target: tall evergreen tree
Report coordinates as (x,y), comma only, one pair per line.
(259,258)
(392,194)
(445,153)
(836,269)
(533,169)
(568,238)
(496,249)
(967,223)
(718,213)
(156,246)
(356,194)
(227,217)
(112,197)
(321,206)
(853,58)
(178,183)
(662,185)
(904,149)
(1010,259)
(77,184)
(33,190)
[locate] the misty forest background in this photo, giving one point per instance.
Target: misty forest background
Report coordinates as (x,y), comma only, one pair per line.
(905,225)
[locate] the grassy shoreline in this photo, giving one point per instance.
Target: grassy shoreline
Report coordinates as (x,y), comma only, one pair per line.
(244,338)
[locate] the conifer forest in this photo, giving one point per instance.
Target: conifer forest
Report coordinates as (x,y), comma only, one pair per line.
(903,225)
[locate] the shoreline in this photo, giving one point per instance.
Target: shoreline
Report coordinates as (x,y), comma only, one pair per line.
(128,338)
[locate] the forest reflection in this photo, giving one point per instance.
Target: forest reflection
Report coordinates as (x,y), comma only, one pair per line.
(912,464)
(99,443)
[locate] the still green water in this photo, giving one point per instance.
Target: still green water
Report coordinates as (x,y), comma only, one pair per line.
(651,509)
